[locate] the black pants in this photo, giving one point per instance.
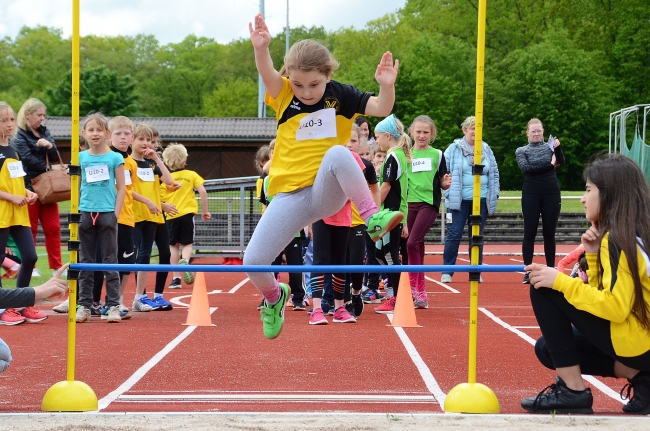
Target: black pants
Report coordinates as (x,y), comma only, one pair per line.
(164,255)
(532,205)
(355,256)
(330,246)
(372,278)
(389,255)
(125,255)
(293,253)
(22,236)
(575,337)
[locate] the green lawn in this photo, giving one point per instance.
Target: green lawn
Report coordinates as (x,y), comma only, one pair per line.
(42,265)
(568,205)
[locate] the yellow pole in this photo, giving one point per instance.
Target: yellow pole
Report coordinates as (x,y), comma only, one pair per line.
(72,395)
(474,397)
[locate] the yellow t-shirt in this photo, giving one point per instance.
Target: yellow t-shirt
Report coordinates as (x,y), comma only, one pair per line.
(130,172)
(306,132)
(184,198)
(147,184)
(11,214)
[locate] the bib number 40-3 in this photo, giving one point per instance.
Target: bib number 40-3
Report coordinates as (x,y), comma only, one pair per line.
(317,125)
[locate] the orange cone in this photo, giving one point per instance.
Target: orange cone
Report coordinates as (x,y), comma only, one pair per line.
(404,314)
(199,312)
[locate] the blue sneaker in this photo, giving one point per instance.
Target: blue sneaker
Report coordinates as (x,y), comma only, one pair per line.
(147,301)
(328,307)
(372,297)
(164,304)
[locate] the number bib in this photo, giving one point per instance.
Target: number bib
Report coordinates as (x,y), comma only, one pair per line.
(97,173)
(421,165)
(146,174)
(317,125)
(127,177)
(16,169)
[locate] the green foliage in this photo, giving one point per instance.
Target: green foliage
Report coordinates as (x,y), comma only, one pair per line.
(100,90)
(234,98)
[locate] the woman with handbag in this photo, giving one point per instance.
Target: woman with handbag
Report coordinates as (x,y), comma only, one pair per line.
(33,142)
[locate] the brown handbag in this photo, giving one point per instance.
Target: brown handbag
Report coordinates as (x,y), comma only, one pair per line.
(53,185)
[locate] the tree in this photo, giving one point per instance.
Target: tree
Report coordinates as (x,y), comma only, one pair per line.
(100,90)
(234,98)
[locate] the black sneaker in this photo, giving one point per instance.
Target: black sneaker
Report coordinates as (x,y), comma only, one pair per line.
(560,400)
(298,305)
(259,307)
(349,307)
(176,283)
(96,309)
(526,278)
(357,302)
(639,404)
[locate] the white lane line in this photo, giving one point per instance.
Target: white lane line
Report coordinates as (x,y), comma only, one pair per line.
(144,369)
(526,327)
(518,261)
(591,379)
(426,374)
(451,289)
(286,397)
(236,288)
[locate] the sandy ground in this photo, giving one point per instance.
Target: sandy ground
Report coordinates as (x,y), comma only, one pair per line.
(313,422)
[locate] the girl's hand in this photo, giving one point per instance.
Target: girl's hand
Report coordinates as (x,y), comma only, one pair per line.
(169,208)
(175,186)
(591,239)
(260,36)
(541,276)
(19,200)
(446,182)
(557,143)
(31,197)
(153,208)
(405,232)
(151,154)
(386,73)
(44,143)
(206,216)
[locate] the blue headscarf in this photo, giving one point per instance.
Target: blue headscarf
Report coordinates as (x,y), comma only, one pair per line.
(388,125)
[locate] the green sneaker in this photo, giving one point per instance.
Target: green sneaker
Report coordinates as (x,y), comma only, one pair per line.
(383,222)
(273,315)
(188,277)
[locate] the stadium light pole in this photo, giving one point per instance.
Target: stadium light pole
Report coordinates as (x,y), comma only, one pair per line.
(261,90)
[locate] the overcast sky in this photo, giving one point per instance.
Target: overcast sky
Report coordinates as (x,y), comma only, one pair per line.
(172,21)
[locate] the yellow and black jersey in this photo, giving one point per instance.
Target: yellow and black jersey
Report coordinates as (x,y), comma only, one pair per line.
(130,172)
(12,172)
(306,132)
(147,184)
(183,198)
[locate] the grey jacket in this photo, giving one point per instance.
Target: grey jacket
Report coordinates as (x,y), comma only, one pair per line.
(453,196)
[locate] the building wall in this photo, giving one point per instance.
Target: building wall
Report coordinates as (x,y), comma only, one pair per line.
(212,160)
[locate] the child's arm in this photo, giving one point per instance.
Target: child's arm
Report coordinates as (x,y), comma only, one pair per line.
(120,185)
(570,258)
(153,208)
(384,189)
(374,192)
(14,199)
(386,74)
(169,208)
(261,39)
(204,203)
(166,177)
(31,196)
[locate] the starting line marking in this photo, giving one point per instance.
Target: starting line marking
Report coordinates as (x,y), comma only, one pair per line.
(290,397)
(451,289)
(424,371)
(591,379)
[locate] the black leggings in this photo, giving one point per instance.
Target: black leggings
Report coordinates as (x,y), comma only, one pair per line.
(389,255)
(575,337)
(293,252)
(532,205)
(164,255)
(22,236)
(330,246)
(355,256)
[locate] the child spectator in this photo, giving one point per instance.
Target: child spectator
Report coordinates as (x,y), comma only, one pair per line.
(100,204)
(378,156)
(312,175)
(14,216)
(147,214)
(181,224)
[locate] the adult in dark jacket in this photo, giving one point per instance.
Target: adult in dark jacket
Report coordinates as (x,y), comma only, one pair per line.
(26,297)
(33,141)
(541,191)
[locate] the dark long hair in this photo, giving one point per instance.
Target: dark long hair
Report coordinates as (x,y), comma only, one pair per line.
(623,189)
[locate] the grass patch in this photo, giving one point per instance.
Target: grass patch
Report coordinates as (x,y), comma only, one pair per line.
(514,206)
(43,267)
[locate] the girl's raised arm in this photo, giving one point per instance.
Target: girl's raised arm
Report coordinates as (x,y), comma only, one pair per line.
(261,38)
(386,75)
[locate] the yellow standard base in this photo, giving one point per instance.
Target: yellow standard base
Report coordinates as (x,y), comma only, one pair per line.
(69,396)
(471,398)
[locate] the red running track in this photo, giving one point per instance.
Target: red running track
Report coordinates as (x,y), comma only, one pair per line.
(153,363)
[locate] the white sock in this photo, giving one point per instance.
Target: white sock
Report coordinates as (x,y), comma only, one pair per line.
(157,295)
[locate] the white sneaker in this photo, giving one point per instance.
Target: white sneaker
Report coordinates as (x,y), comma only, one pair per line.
(123,308)
(140,306)
(64,274)
(36,272)
(83,314)
(62,307)
(446,278)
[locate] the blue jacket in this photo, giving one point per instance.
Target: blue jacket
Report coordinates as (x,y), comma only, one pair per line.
(453,196)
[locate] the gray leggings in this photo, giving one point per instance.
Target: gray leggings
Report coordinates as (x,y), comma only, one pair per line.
(339,178)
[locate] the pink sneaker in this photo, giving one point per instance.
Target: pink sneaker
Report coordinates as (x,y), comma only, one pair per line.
(33,314)
(421,300)
(317,317)
(11,316)
(341,315)
(387,307)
